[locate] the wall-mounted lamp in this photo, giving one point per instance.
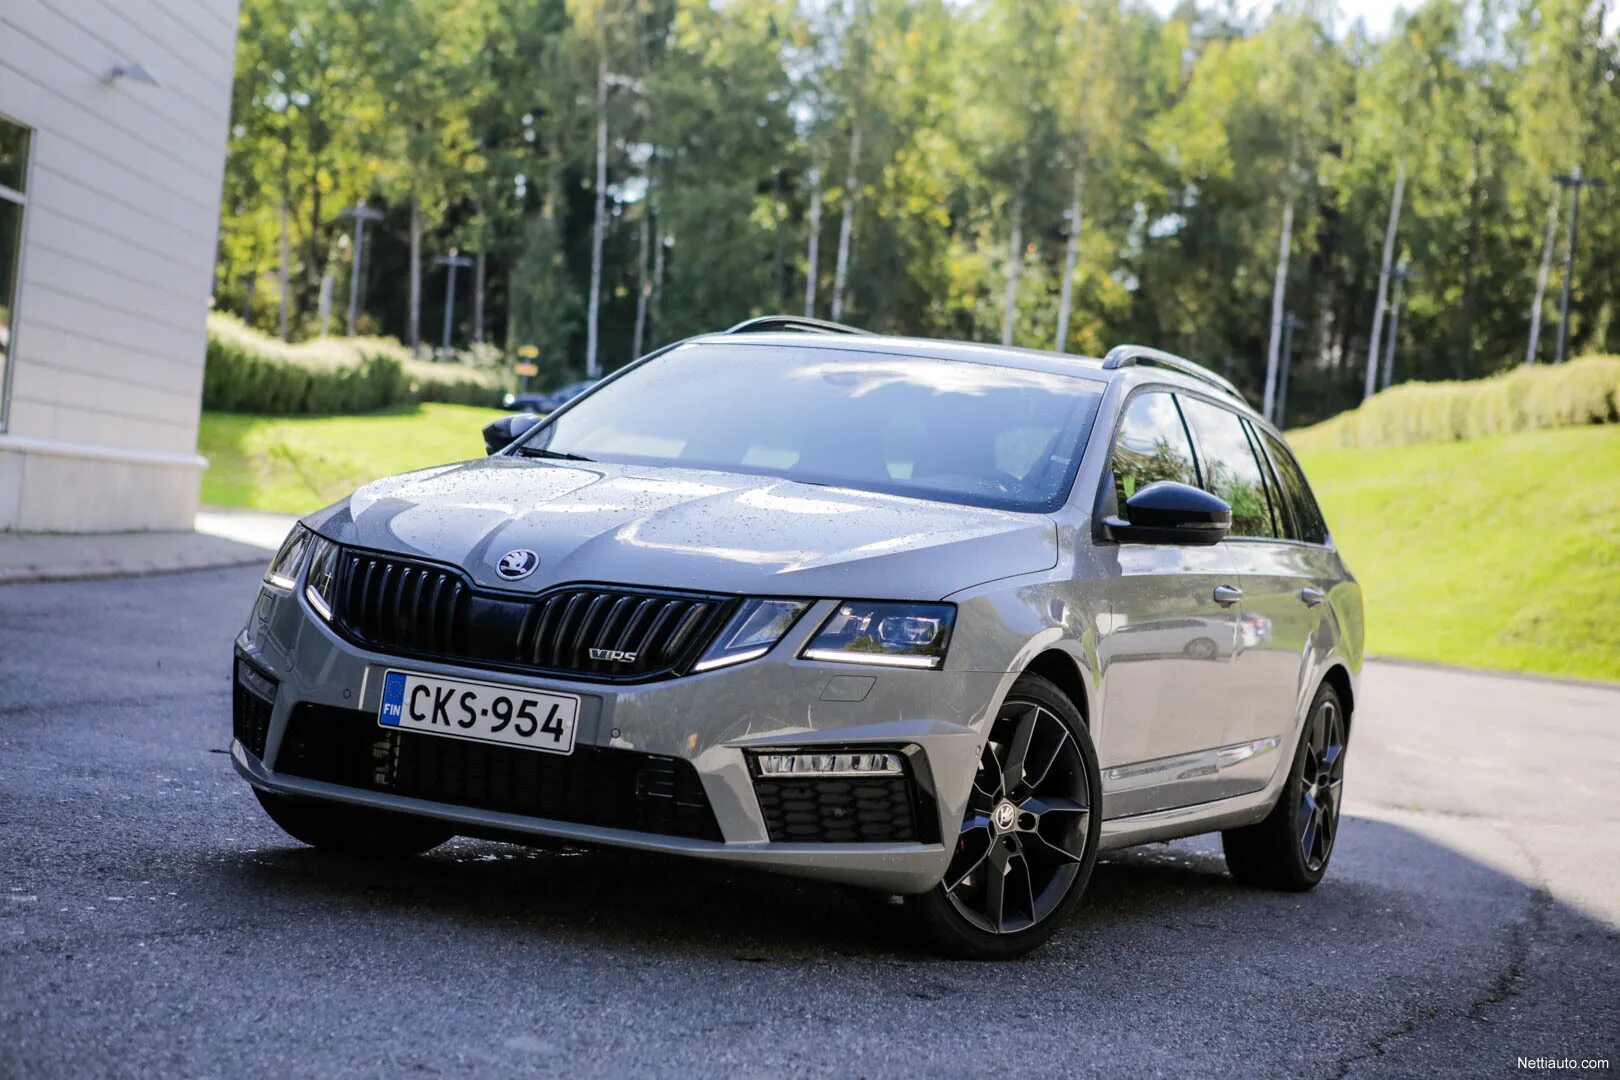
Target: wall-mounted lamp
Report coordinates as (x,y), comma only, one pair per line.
(129,69)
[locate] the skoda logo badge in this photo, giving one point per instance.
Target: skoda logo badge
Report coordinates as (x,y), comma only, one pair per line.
(517,563)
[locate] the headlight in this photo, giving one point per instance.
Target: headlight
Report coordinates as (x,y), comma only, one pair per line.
(289,560)
(321,585)
(751,633)
(897,635)
(507,400)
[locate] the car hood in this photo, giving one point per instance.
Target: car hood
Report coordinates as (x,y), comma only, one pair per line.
(687,528)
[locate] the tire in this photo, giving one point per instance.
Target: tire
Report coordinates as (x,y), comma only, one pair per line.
(1055,826)
(1291,848)
(352,830)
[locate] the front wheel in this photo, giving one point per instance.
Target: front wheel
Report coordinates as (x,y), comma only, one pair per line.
(1028,841)
(352,830)
(1290,849)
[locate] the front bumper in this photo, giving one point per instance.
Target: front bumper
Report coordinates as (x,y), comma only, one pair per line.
(709,720)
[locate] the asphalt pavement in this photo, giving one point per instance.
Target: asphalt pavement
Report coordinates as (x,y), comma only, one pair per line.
(154,923)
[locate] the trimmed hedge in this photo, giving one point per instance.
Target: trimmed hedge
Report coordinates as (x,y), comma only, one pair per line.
(456,384)
(1584,391)
(250,372)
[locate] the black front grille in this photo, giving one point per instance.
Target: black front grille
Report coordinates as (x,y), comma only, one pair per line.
(617,789)
(838,809)
(400,606)
(252,698)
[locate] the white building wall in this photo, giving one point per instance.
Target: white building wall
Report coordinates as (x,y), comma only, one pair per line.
(117,257)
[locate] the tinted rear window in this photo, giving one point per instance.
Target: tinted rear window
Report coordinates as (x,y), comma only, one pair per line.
(1307,524)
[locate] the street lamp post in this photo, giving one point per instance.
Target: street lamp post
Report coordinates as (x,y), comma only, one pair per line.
(361,213)
(450,261)
(1574,181)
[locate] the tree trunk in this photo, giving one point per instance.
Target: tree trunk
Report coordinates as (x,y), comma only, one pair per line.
(1541,277)
(324,302)
(1071,255)
(599,225)
(315,253)
(812,257)
(478,299)
(1015,267)
(643,286)
(413,326)
(778,239)
(1462,358)
(1371,383)
(658,269)
(284,275)
(1394,326)
(1278,292)
(841,268)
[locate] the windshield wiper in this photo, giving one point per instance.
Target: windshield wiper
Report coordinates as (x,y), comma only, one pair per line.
(542,452)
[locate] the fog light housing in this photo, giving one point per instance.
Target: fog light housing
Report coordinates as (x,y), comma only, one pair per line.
(841,763)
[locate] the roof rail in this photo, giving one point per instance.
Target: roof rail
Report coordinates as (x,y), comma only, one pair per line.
(765,323)
(1130,355)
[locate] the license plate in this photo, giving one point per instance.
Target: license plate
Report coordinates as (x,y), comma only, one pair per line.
(487,712)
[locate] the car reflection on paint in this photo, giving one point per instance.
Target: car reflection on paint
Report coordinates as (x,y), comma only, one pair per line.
(1253,630)
(1195,638)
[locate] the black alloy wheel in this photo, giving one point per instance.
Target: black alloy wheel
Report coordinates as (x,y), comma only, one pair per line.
(1321,783)
(1290,849)
(1023,839)
(1028,839)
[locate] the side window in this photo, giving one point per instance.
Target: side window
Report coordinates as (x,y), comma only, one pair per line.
(1230,467)
(1308,523)
(1152,445)
(1279,504)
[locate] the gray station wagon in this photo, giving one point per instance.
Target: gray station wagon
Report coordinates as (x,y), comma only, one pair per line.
(940,621)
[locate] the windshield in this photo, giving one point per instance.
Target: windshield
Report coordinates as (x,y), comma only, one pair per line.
(952,430)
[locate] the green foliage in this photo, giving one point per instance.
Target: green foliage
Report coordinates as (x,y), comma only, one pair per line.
(1535,515)
(1584,391)
(455,383)
(1178,137)
(249,372)
(296,464)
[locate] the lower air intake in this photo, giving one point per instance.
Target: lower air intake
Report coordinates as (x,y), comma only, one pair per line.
(616,789)
(838,810)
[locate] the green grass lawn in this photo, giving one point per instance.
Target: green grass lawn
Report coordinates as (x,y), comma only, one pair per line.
(1500,552)
(300,463)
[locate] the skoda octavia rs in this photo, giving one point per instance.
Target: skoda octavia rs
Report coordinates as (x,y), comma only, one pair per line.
(936,620)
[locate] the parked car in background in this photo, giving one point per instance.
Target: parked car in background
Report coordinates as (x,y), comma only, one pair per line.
(542,402)
(937,620)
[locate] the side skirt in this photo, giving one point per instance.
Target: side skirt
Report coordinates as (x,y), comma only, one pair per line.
(1188,820)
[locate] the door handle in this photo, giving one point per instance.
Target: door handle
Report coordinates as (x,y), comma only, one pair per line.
(1227,595)
(1312,596)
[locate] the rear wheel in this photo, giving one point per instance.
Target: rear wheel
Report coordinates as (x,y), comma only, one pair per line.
(352,830)
(1290,849)
(1028,841)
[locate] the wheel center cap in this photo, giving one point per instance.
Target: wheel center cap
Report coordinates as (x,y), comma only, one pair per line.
(1004,817)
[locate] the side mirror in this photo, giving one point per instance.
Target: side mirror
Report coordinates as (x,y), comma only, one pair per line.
(1166,512)
(499,434)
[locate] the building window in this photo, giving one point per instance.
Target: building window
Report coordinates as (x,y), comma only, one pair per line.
(14,139)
